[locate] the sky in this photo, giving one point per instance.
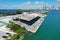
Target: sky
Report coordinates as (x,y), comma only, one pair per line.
(27,4)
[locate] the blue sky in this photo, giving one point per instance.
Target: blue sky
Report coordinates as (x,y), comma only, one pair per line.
(22,4)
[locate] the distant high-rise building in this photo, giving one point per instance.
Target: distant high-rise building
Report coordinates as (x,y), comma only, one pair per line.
(59,8)
(52,7)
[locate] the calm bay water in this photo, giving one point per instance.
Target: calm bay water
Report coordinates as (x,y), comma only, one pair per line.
(49,30)
(10,10)
(5,10)
(21,10)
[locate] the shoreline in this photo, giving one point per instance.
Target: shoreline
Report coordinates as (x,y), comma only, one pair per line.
(37,27)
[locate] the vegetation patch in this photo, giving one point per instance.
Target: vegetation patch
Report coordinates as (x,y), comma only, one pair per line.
(10,13)
(20,31)
(44,13)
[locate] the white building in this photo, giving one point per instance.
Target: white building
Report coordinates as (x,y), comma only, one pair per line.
(31,21)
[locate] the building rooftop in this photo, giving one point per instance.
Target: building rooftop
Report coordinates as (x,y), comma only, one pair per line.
(27,22)
(28,16)
(30,21)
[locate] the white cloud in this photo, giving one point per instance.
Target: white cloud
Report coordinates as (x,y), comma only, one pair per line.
(36,2)
(58,0)
(28,2)
(26,5)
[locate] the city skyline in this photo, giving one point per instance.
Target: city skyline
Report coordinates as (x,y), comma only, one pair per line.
(28,4)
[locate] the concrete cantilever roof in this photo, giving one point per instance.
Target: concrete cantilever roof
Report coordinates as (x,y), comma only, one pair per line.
(28,22)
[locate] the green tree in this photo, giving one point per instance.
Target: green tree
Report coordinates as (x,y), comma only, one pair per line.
(18,12)
(20,31)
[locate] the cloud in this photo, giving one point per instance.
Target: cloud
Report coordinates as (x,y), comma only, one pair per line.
(58,0)
(37,2)
(26,5)
(28,2)
(2,7)
(18,6)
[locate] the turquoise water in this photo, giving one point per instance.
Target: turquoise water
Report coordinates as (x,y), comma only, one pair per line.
(49,30)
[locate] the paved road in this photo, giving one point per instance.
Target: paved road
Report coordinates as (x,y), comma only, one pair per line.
(6,18)
(12,16)
(2,34)
(3,22)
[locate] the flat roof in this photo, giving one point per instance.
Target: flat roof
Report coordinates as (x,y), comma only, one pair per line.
(28,22)
(28,16)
